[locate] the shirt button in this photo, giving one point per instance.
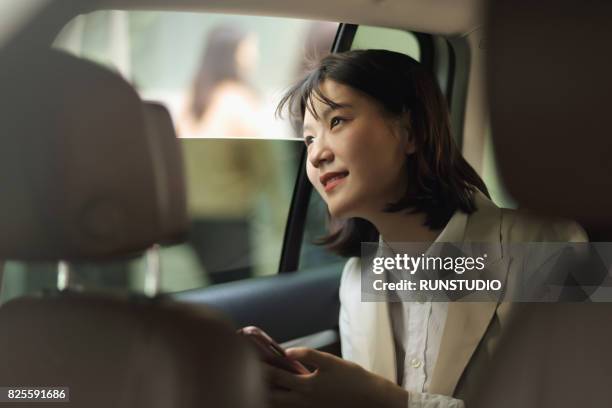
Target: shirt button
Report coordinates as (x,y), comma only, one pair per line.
(415,363)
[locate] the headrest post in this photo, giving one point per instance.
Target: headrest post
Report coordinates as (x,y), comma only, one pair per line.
(64,275)
(153,271)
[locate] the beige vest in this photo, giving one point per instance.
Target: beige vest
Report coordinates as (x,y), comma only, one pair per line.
(472,330)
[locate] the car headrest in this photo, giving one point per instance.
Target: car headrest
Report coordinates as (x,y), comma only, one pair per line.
(87,171)
(549,93)
(169,171)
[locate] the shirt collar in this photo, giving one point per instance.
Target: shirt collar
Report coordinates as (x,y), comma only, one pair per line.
(454,231)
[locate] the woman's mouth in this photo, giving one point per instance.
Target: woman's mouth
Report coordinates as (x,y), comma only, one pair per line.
(332,180)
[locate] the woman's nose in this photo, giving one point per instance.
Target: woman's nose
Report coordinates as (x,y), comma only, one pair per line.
(319,154)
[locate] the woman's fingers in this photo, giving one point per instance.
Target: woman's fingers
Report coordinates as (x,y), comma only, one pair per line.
(284,379)
(311,357)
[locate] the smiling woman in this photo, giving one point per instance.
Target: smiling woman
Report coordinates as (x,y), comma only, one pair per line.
(348,135)
(382,157)
(378,117)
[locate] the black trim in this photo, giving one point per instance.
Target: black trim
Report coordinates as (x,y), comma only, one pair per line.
(344,37)
(451,75)
(426,48)
(296,220)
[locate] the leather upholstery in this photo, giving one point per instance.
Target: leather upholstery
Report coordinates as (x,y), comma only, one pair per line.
(548,73)
(549,90)
(169,171)
(132,353)
(87,171)
(556,355)
(78,175)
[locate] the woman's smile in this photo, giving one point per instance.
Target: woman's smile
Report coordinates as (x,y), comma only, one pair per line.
(331,179)
(331,184)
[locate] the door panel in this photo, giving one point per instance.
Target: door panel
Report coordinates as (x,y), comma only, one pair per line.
(287,306)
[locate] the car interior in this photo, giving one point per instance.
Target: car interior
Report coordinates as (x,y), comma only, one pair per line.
(117,282)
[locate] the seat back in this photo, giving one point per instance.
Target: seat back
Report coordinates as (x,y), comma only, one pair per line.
(548,77)
(549,90)
(89,172)
(126,353)
(84,166)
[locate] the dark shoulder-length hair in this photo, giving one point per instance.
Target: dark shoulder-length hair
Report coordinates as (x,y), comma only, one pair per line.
(440,180)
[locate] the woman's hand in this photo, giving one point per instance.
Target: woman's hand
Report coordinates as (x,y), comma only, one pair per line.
(335,383)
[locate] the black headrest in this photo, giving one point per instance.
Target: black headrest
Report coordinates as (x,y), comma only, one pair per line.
(87,171)
(549,91)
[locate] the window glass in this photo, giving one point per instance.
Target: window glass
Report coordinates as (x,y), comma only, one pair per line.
(366,37)
(190,61)
(220,76)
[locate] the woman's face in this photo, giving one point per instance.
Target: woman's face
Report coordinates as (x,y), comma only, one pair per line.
(356,153)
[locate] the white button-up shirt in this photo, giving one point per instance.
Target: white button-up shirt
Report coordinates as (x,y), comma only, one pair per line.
(417,334)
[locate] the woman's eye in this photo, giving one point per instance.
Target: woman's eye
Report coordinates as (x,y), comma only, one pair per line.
(308,140)
(336,120)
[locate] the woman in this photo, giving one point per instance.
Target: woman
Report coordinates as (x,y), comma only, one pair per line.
(222,102)
(381,155)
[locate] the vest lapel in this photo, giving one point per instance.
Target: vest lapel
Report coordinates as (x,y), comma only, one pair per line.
(378,350)
(467,322)
(371,338)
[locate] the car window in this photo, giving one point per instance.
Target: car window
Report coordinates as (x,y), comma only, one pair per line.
(220,76)
(312,254)
(368,37)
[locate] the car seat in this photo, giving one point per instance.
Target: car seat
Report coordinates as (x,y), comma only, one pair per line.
(90,173)
(549,88)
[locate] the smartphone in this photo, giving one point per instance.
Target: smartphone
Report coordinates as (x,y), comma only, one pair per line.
(271,352)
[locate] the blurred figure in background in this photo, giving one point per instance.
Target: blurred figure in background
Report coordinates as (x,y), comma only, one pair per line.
(220,173)
(222,103)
